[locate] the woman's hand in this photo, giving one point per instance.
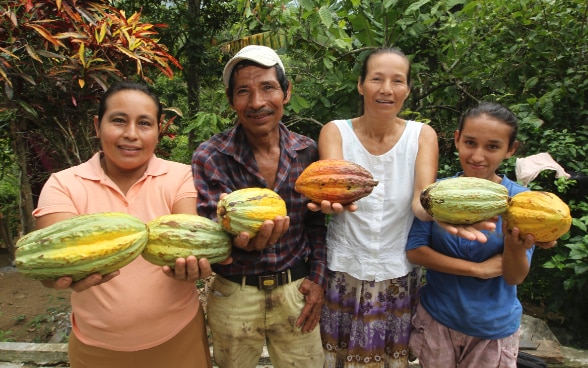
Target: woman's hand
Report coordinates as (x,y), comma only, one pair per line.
(190,269)
(329,208)
(66,282)
(471,232)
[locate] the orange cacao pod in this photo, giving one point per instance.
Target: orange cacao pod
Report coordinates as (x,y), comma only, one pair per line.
(541,214)
(336,181)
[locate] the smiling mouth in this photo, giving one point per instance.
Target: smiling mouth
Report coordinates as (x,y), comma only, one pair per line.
(385,102)
(129,148)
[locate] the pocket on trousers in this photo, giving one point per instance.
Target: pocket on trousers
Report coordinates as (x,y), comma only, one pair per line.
(508,359)
(223,288)
(420,321)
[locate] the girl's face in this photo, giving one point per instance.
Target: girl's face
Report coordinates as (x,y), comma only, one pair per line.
(482,145)
(385,87)
(128,131)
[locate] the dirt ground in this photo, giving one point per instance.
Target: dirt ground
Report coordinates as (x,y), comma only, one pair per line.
(30,312)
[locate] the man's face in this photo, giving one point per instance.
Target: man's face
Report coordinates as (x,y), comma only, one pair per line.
(258,99)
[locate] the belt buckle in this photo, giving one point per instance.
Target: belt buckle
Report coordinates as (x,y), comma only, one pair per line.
(267,282)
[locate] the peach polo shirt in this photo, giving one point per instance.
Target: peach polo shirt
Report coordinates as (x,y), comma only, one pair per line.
(140,308)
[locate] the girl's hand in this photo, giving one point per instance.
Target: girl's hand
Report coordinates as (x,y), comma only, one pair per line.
(546,245)
(490,268)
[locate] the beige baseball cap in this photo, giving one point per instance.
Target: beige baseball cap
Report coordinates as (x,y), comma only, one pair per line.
(260,54)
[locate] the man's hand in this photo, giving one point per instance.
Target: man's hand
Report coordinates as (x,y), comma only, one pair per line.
(311,313)
(268,235)
(66,282)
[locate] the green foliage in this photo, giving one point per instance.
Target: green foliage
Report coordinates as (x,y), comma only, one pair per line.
(204,125)
(567,263)
(19,319)
(528,55)
(9,192)
(5,336)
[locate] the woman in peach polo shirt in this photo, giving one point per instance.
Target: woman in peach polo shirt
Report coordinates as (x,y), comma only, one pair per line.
(143,315)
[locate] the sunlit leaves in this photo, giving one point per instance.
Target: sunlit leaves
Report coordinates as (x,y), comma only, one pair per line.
(80,39)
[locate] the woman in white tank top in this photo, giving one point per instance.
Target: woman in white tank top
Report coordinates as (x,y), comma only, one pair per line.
(372,286)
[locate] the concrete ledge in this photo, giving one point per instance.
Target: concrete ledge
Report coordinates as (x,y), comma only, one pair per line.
(47,354)
(22,352)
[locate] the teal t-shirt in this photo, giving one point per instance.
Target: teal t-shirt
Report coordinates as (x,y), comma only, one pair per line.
(484,308)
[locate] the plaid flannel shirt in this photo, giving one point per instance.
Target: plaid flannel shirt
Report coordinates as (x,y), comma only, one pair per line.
(226,163)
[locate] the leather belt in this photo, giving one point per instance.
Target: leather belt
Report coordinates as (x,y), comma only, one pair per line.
(270,281)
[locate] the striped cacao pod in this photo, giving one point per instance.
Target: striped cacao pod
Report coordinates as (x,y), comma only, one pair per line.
(464,200)
(80,246)
(336,181)
(245,210)
(541,214)
(181,235)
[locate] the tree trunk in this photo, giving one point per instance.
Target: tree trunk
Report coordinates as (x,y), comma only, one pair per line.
(191,70)
(26,195)
(6,237)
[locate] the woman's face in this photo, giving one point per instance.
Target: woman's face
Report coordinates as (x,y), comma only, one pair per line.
(128,131)
(385,87)
(482,144)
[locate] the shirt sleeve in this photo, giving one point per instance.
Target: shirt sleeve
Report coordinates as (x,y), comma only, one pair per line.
(420,234)
(208,191)
(182,178)
(316,234)
(54,198)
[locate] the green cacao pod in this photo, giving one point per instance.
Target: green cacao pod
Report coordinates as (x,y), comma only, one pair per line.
(464,200)
(181,235)
(336,181)
(81,245)
(541,214)
(245,210)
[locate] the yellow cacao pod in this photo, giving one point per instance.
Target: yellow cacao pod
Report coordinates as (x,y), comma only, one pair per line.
(464,200)
(181,235)
(245,210)
(541,214)
(336,181)
(82,245)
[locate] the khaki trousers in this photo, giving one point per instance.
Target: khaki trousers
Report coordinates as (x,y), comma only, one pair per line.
(242,318)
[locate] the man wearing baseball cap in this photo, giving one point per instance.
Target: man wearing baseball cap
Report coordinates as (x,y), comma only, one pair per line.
(274,289)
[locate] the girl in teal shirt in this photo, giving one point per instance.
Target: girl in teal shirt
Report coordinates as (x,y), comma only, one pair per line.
(469,314)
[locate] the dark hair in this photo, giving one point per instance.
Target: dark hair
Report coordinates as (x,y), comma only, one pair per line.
(496,111)
(385,50)
(125,86)
(282,79)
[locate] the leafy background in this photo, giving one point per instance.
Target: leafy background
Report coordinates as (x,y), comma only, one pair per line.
(57,57)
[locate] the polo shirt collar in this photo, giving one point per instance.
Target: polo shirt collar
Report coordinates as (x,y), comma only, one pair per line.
(93,170)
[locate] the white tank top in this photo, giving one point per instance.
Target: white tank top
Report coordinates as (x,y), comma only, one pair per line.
(369,244)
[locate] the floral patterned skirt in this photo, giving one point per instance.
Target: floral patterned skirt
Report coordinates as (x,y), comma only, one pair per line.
(367,324)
